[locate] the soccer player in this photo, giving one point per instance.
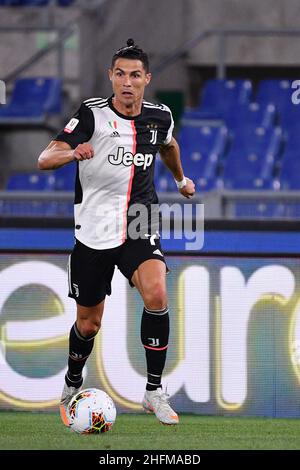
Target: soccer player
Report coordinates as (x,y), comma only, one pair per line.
(114,142)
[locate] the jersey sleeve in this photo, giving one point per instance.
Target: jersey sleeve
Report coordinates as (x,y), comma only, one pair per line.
(79,129)
(170,129)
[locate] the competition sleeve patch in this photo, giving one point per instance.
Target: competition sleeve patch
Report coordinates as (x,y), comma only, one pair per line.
(71,125)
(79,129)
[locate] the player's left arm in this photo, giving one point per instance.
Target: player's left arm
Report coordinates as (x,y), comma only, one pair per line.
(170,154)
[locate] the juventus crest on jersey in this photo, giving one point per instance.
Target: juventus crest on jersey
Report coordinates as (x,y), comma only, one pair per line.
(121,172)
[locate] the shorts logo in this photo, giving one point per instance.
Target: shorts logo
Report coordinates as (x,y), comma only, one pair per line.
(71,125)
(76,356)
(128,158)
(76,288)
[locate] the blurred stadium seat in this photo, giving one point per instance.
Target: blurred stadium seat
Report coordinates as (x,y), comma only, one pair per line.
(221,96)
(252,115)
(33,99)
(251,159)
(274,91)
(277,210)
(202,147)
(65,177)
(278,92)
(164,183)
(257,210)
(31,182)
(289,177)
(163,180)
(289,115)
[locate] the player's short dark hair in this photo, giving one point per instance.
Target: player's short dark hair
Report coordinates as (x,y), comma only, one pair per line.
(131,51)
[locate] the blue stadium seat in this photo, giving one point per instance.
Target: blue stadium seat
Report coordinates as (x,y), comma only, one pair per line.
(289,175)
(218,99)
(164,183)
(290,163)
(288,210)
(65,177)
(274,91)
(31,182)
(197,116)
(256,210)
(289,115)
(279,92)
(251,160)
(202,147)
(40,182)
(163,179)
(253,115)
(221,95)
(28,208)
(33,98)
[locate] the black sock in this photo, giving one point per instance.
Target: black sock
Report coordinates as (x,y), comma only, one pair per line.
(79,350)
(154,336)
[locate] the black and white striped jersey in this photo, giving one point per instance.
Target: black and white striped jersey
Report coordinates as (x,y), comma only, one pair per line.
(121,172)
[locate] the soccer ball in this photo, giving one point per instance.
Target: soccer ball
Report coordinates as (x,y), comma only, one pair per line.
(91,411)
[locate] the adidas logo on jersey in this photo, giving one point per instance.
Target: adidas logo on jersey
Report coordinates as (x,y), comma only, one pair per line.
(128,158)
(115,134)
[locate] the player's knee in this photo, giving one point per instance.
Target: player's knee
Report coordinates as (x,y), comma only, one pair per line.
(89,328)
(155,296)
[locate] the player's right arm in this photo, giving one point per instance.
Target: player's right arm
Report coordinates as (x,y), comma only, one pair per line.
(59,153)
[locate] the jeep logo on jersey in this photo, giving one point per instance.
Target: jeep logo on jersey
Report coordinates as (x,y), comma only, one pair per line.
(127,158)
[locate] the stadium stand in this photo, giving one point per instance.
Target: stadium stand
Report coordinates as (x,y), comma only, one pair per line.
(235,139)
(232,142)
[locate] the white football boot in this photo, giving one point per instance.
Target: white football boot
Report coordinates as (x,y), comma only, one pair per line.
(156,401)
(66,396)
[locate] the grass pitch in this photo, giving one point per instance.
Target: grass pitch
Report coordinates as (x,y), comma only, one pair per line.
(32,431)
